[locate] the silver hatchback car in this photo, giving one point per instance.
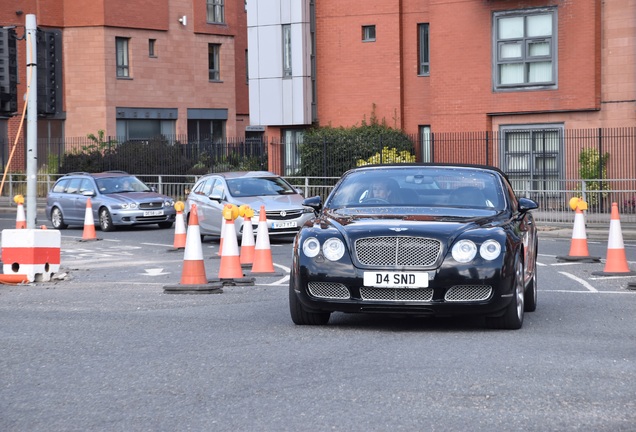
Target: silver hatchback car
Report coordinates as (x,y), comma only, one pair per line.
(117,199)
(283,203)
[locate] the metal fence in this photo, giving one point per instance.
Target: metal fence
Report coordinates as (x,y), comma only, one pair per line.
(553,205)
(548,164)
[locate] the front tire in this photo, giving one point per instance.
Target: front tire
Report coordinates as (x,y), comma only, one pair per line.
(530,297)
(512,318)
(57,219)
(105,220)
(300,316)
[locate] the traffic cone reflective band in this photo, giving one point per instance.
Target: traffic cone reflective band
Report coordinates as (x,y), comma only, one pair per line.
(20,220)
(616,263)
(193,272)
(179,227)
(578,247)
(89,223)
(262,252)
(230,267)
(247,240)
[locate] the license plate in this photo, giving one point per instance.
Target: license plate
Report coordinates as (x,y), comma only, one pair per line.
(153,213)
(396,279)
(289,224)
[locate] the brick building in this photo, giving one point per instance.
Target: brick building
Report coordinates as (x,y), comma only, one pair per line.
(136,68)
(521,69)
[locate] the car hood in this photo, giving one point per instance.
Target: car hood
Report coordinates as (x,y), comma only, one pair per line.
(443,223)
(274,202)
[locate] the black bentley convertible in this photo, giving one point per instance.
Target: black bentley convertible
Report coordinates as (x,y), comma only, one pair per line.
(422,239)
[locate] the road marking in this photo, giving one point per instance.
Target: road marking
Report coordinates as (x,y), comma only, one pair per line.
(154,272)
(279,282)
(581,281)
(588,292)
(287,269)
(610,277)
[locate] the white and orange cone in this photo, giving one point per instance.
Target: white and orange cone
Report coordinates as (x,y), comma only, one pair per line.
(193,272)
(247,239)
(616,263)
(89,223)
(578,247)
(223,223)
(180,234)
(20,219)
(230,267)
(263,262)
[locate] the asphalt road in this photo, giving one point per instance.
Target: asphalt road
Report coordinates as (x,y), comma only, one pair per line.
(104,348)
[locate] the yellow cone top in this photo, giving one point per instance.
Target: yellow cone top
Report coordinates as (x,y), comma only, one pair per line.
(18,199)
(246,212)
(578,203)
(179,206)
(230,212)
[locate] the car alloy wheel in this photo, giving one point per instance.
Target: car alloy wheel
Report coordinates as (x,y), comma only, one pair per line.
(57,220)
(105,220)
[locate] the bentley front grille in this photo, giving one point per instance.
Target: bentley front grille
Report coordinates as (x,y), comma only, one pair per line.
(468,293)
(328,290)
(397,294)
(398,251)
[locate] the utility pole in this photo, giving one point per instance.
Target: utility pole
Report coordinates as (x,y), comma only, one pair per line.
(32,121)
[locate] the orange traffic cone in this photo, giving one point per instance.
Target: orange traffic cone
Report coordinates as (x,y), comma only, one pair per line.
(616,263)
(578,247)
(179,232)
(223,222)
(230,267)
(193,272)
(20,220)
(89,223)
(262,252)
(247,242)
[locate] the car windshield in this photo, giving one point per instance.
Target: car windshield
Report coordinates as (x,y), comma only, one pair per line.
(110,185)
(450,187)
(259,186)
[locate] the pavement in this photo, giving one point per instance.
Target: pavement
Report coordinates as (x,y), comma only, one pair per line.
(552,230)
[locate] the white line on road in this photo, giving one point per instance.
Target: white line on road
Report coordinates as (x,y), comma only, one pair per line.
(581,281)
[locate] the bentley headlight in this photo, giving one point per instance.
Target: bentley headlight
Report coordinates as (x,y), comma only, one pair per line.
(311,247)
(490,250)
(464,251)
(333,249)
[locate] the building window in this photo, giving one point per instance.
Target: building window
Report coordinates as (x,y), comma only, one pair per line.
(368,33)
(292,138)
(216,11)
(423,50)
(287,51)
(206,131)
(533,156)
(525,49)
(425,144)
(123,67)
(151,47)
(213,62)
(247,68)
(144,129)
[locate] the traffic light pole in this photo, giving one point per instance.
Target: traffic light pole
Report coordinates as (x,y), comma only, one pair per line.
(32,121)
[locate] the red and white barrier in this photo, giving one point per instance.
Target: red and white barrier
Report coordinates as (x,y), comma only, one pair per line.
(31,252)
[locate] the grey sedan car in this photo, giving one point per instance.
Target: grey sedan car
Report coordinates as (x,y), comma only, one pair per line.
(117,199)
(283,203)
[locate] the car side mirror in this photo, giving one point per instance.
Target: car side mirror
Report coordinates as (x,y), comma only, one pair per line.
(314,202)
(215,197)
(526,204)
(89,193)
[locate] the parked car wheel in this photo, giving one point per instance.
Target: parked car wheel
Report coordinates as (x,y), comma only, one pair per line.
(512,319)
(105,220)
(57,219)
(165,225)
(300,316)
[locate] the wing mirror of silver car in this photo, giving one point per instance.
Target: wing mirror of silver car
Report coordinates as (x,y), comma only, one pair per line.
(89,193)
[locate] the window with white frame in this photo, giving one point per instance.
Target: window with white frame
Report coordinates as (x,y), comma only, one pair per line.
(123,67)
(532,156)
(423,50)
(292,138)
(525,49)
(425,143)
(368,33)
(216,11)
(214,69)
(287,51)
